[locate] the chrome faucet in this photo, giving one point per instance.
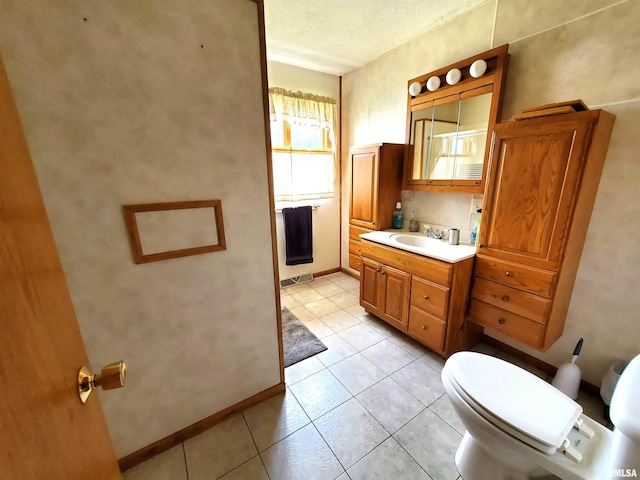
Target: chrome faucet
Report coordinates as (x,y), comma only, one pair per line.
(431,233)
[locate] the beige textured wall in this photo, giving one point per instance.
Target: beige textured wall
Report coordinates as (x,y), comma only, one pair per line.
(127,107)
(326,219)
(559,51)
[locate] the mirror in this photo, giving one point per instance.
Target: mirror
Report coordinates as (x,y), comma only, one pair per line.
(447,129)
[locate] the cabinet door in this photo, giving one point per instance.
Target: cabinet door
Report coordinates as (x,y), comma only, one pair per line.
(364,190)
(394,292)
(535,173)
(370,285)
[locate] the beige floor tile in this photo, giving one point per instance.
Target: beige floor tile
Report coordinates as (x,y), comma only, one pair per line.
(301,370)
(338,277)
(275,418)
(420,381)
(250,470)
(387,356)
(289,302)
(444,409)
(304,287)
(319,281)
(307,296)
(390,404)
(432,443)
(357,373)
(361,336)
(345,300)
(350,431)
(433,360)
(322,307)
(337,349)
(340,320)
(302,455)
(349,283)
(329,289)
(358,311)
(303,314)
(408,344)
(219,450)
(388,461)
(380,326)
(320,393)
(169,465)
(319,328)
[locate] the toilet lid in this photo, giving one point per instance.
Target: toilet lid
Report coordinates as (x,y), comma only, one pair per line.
(513,399)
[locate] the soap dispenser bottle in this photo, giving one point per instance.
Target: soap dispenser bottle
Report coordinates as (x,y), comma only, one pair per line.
(397,218)
(413,224)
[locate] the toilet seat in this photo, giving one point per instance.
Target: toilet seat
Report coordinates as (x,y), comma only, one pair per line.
(513,399)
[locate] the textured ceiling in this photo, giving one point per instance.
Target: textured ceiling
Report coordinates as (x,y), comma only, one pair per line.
(337,36)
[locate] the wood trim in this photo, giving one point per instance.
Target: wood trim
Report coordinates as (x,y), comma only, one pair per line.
(340,252)
(139,256)
(272,205)
(326,272)
(186,433)
(535,362)
(350,273)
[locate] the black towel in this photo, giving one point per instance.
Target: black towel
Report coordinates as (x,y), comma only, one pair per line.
(298,235)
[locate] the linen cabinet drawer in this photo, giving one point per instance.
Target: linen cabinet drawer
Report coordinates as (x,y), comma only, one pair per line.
(355,261)
(514,326)
(430,297)
(534,280)
(426,328)
(354,232)
(516,301)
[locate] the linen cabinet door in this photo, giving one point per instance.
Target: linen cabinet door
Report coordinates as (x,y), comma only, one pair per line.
(364,188)
(395,289)
(534,178)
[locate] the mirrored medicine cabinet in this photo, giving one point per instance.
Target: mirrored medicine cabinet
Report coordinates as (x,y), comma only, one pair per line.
(449,126)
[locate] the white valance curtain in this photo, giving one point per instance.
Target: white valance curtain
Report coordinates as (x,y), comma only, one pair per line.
(303,144)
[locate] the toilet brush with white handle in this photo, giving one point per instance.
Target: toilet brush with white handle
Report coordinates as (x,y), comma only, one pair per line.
(567,378)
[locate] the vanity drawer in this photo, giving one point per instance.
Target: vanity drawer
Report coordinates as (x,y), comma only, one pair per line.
(354,247)
(514,326)
(516,301)
(430,297)
(426,328)
(534,280)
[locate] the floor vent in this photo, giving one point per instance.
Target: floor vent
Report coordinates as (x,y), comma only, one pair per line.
(296,280)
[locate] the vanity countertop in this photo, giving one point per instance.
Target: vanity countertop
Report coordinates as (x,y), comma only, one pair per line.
(422,245)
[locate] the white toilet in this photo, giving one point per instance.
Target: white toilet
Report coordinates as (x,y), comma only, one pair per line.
(520,427)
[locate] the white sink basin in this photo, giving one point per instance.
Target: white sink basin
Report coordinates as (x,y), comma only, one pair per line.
(420,244)
(416,240)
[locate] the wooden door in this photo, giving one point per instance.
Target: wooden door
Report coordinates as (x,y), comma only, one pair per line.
(364,188)
(394,291)
(535,173)
(370,285)
(45,431)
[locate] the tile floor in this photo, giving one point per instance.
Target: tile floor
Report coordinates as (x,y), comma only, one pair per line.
(372,406)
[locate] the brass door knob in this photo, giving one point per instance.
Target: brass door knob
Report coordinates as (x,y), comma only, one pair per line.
(424,327)
(505,298)
(110,377)
(502,321)
(508,274)
(426,297)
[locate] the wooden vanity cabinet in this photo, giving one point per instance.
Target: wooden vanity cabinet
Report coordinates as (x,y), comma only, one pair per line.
(421,296)
(376,183)
(542,184)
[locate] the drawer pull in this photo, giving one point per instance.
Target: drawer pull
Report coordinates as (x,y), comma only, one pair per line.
(502,321)
(508,274)
(378,270)
(382,273)
(424,327)
(505,298)
(426,297)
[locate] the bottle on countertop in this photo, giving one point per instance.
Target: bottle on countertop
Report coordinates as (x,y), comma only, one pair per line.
(413,224)
(397,219)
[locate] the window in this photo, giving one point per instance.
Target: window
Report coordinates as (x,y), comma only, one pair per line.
(303,145)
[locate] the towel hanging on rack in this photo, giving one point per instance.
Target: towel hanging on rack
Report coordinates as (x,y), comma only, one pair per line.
(298,235)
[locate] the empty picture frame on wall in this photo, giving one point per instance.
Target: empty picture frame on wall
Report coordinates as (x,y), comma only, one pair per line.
(160,231)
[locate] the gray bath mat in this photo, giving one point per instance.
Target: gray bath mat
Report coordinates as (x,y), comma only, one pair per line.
(299,342)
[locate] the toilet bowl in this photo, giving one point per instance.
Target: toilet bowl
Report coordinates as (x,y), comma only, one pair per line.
(520,427)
